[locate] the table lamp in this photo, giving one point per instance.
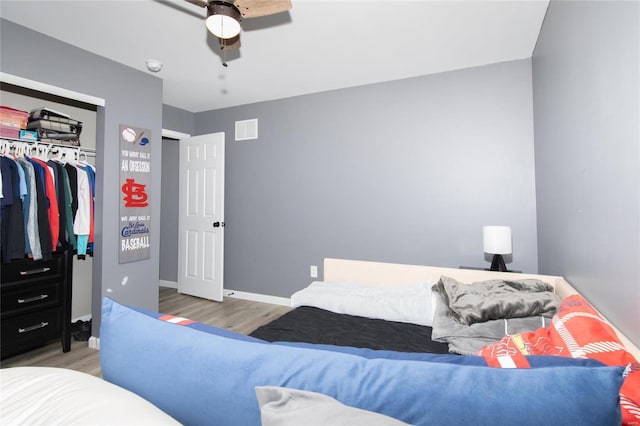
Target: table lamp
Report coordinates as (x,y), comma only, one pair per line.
(497,241)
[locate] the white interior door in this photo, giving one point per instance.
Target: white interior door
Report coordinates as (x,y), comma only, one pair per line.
(201,216)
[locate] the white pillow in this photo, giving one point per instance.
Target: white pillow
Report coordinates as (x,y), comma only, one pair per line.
(410,303)
(292,407)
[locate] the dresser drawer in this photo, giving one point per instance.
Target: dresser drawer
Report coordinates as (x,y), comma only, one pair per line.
(27,331)
(21,270)
(35,303)
(25,297)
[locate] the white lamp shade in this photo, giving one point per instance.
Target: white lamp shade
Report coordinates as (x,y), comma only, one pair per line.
(497,239)
(223,26)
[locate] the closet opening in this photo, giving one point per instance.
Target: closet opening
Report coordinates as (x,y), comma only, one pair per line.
(27,99)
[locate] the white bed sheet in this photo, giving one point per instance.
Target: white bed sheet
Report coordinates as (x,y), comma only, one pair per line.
(57,396)
(411,303)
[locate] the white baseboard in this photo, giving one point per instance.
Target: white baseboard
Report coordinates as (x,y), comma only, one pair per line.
(255,297)
(83,318)
(169,284)
(94,342)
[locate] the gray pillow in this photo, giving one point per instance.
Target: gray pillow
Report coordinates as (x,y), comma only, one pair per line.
(292,407)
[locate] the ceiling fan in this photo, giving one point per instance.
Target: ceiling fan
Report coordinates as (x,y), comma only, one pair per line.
(224,16)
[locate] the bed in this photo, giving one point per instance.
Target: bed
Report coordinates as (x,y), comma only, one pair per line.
(572,329)
(198,374)
(57,396)
(308,322)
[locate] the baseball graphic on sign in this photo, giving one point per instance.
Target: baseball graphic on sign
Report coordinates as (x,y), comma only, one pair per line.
(128,134)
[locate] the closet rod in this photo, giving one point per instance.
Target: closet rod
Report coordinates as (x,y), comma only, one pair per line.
(91,152)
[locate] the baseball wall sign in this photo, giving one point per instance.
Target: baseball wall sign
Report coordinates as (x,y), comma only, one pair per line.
(135,195)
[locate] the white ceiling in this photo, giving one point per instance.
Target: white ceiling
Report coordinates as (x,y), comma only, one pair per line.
(317,46)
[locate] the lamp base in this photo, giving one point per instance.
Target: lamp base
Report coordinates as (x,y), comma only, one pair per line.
(497,264)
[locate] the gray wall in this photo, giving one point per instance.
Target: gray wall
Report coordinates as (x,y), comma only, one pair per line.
(586,94)
(170,211)
(132,97)
(178,119)
(405,171)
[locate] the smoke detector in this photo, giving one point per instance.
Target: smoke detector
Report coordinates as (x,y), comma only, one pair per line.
(154,66)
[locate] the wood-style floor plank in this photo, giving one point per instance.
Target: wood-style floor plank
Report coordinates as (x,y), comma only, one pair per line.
(241,316)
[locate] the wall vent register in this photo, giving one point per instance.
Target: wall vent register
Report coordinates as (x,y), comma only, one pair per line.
(247,129)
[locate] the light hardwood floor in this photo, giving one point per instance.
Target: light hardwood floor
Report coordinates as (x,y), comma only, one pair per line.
(239,315)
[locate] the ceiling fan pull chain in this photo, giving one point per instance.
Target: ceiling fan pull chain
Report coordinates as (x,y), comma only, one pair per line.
(223,43)
(224,53)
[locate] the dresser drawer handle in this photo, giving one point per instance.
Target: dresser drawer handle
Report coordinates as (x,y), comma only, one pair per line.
(35,271)
(33,299)
(33,327)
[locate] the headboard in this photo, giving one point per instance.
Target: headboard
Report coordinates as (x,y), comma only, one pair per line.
(381,273)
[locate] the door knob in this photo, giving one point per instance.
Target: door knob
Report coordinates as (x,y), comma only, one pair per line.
(218,224)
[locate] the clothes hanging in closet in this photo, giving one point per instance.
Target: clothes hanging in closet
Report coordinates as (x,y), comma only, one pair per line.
(45,205)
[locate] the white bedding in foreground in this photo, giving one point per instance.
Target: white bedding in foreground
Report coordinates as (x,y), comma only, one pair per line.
(409,303)
(57,396)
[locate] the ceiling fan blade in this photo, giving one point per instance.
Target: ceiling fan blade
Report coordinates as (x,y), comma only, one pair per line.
(229,44)
(201,3)
(256,8)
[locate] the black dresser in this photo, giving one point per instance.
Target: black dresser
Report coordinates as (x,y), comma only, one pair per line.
(35,298)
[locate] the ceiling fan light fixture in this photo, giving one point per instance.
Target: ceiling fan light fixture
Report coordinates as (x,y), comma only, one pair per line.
(223,19)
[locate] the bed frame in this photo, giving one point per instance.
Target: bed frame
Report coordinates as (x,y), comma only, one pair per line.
(397,274)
